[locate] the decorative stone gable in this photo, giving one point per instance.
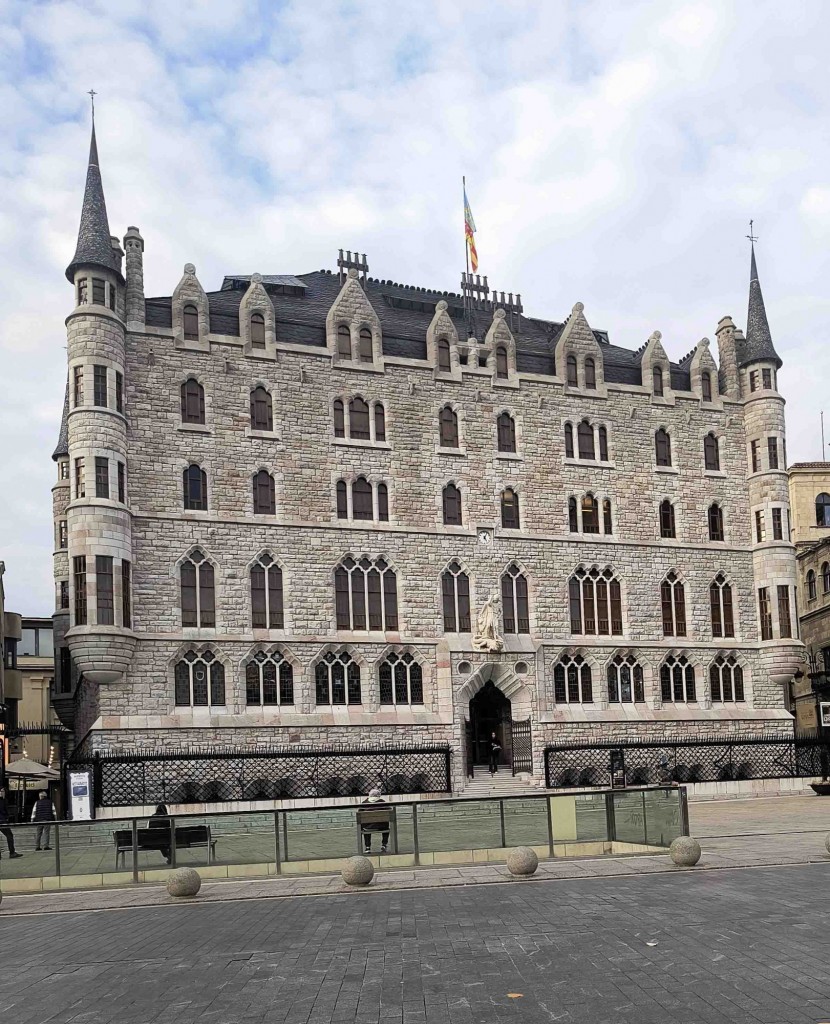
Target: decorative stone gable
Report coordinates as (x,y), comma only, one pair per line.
(727,353)
(442,327)
(190,293)
(702,362)
(498,335)
(577,340)
(654,357)
(353,309)
(256,301)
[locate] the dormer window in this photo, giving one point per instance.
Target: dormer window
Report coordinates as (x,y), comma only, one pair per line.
(501,363)
(657,379)
(590,374)
(344,342)
(257,330)
(99,291)
(190,320)
(365,345)
(444,364)
(573,380)
(706,386)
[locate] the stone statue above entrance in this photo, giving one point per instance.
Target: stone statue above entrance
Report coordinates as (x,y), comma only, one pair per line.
(486,636)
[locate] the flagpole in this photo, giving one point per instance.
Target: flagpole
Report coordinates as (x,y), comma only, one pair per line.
(466,246)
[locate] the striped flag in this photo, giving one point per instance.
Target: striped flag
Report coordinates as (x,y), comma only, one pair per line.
(469,232)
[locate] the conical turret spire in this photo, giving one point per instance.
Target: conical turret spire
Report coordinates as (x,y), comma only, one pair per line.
(758,342)
(94,246)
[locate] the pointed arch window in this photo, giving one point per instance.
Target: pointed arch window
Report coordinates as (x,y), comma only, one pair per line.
(444,363)
(590,374)
(573,380)
(364,347)
(342,500)
(455,591)
(595,599)
(383,503)
(569,441)
(673,605)
(825,577)
(257,330)
(677,681)
(667,524)
(572,682)
(711,452)
(720,604)
(190,322)
(811,585)
(514,601)
(339,418)
(344,341)
(362,499)
(448,427)
(266,594)
(603,444)
(380,422)
(401,680)
(607,523)
(715,516)
(506,430)
(193,401)
(269,680)
(359,420)
(198,595)
(590,514)
(509,509)
(501,363)
(262,410)
(365,594)
(585,439)
(726,680)
(662,446)
(451,505)
(706,386)
(573,519)
(625,681)
(823,509)
(337,679)
(194,487)
(657,380)
(200,680)
(265,499)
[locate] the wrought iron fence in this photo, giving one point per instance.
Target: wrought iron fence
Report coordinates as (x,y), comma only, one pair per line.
(652,762)
(211,776)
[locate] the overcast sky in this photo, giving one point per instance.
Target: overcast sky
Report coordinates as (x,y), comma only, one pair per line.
(614,155)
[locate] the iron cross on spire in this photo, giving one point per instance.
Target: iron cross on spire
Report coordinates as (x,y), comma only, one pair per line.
(753,238)
(92,94)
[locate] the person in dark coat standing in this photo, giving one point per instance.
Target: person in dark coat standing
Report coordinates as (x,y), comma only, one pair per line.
(4,825)
(43,814)
(160,819)
(495,750)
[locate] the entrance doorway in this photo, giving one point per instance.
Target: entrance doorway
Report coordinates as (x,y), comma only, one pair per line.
(490,713)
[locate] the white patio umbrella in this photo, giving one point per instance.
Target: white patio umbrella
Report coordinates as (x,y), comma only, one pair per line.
(26,770)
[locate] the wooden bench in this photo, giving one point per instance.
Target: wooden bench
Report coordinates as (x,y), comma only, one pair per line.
(158,839)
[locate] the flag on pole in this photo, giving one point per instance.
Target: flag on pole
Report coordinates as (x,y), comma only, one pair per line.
(469,232)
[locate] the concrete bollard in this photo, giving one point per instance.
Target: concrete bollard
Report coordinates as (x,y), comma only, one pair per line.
(522,861)
(184,882)
(685,851)
(357,871)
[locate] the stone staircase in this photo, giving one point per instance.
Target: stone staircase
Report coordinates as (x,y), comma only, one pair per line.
(503,783)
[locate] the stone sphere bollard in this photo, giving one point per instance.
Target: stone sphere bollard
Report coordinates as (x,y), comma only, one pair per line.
(522,861)
(357,871)
(184,882)
(685,851)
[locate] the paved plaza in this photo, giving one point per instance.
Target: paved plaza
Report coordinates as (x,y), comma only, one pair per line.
(699,947)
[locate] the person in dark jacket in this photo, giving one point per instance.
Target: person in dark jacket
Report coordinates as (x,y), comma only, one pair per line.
(495,750)
(4,825)
(43,814)
(375,799)
(160,819)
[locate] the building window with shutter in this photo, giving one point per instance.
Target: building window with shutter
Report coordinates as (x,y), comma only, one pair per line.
(590,374)
(444,363)
(262,411)
(657,380)
(365,345)
(365,594)
(711,452)
(198,595)
(515,610)
(266,594)
(190,323)
(573,380)
(662,447)
(715,516)
(448,427)
(257,331)
(451,505)
(380,422)
(344,342)
(506,431)
(590,514)
(569,441)
(706,386)
(720,605)
(192,401)
(673,604)
(195,492)
(595,600)
(509,509)
(359,420)
(585,440)
(265,497)
(501,363)
(667,523)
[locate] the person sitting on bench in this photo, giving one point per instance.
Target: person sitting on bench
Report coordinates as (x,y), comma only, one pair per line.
(379,804)
(160,819)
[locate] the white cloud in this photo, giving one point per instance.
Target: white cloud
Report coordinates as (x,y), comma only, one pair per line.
(614,154)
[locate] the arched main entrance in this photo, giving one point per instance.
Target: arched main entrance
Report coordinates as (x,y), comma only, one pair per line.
(490,712)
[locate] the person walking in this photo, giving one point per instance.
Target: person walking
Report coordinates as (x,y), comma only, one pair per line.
(43,814)
(4,824)
(160,818)
(495,750)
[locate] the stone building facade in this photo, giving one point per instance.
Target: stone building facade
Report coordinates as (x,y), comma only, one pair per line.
(810,501)
(331,510)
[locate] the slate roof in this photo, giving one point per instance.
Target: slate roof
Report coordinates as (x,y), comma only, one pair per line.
(94,246)
(758,342)
(405,312)
(62,447)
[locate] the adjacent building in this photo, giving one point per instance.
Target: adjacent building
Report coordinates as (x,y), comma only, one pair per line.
(810,501)
(333,511)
